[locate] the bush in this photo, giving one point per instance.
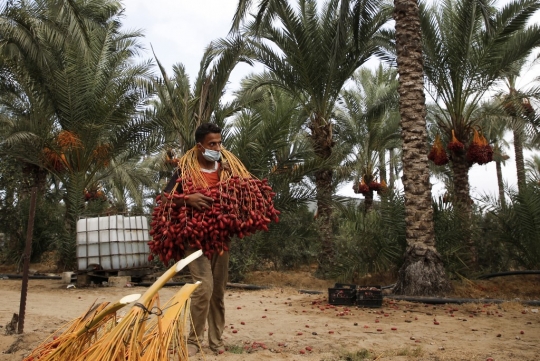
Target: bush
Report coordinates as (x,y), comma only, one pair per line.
(288,244)
(15,185)
(14,221)
(517,229)
(450,232)
(369,242)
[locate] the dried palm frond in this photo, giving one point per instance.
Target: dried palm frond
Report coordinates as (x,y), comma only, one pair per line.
(98,335)
(165,337)
(126,340)
(79,334)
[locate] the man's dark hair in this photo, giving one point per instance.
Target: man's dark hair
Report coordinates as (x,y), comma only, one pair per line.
(206,128)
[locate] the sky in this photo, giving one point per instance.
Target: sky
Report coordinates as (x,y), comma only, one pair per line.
(180,30)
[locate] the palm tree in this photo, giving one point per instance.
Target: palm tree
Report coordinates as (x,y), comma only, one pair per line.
(429,278)
(422,272)
(369,122)
(516,104)
(311,54)
(101,117)
(494,127)
(468,46)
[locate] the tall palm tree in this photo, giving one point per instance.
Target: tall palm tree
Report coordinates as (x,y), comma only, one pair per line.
(468,46)
(311,54)
(494,128)
(516,105)
(422,272)
(369,122)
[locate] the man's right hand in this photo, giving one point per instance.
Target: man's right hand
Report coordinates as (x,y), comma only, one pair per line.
(199,201)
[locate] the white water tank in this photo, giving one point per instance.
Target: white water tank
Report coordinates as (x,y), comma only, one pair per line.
(112,242)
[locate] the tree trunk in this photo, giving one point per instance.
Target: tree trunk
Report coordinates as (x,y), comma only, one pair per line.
(462,201)
(383,175)
(321,137)
(74,200)
(368,202)
(500,183)
(382,166)
(37,177)
(392,169)
(460,172)
(520,163)
(423,271)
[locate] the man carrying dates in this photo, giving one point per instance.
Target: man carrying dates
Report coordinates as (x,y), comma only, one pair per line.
(207,302)
(210,198)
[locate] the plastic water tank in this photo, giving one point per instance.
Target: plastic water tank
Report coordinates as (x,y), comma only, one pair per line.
(112,242)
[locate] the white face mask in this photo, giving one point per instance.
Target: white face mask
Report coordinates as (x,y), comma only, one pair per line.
(211,155)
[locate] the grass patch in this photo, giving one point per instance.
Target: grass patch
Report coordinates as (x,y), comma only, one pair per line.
(413,352)
(360,355)
(237,349)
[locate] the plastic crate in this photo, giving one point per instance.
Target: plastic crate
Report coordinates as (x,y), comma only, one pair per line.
(342,294)
(369,296)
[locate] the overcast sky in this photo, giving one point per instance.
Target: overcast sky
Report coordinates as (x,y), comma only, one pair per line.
(180,30)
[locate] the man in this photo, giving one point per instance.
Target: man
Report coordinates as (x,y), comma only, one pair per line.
(207,302)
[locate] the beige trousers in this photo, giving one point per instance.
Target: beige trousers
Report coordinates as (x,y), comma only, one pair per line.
(207,302)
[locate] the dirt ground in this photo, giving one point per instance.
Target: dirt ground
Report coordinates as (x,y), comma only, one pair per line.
(280,323)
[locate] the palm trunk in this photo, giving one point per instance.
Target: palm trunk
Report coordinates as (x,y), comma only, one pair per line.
(463,202)
(368,202)
(422,272)
(520,164)
(74,201)
(321,137)
(502,199)
(382,166)
(392,169)
(460,172)
(382,173)
(37,177)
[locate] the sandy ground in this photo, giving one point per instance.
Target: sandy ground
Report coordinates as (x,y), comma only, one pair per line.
(283,324)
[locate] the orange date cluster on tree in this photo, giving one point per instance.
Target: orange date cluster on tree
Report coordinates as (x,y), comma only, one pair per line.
(455,145)
(437,154)
(55,160)
(363,188)
(479,151)
(242,206)
(376,186)
(94,194)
